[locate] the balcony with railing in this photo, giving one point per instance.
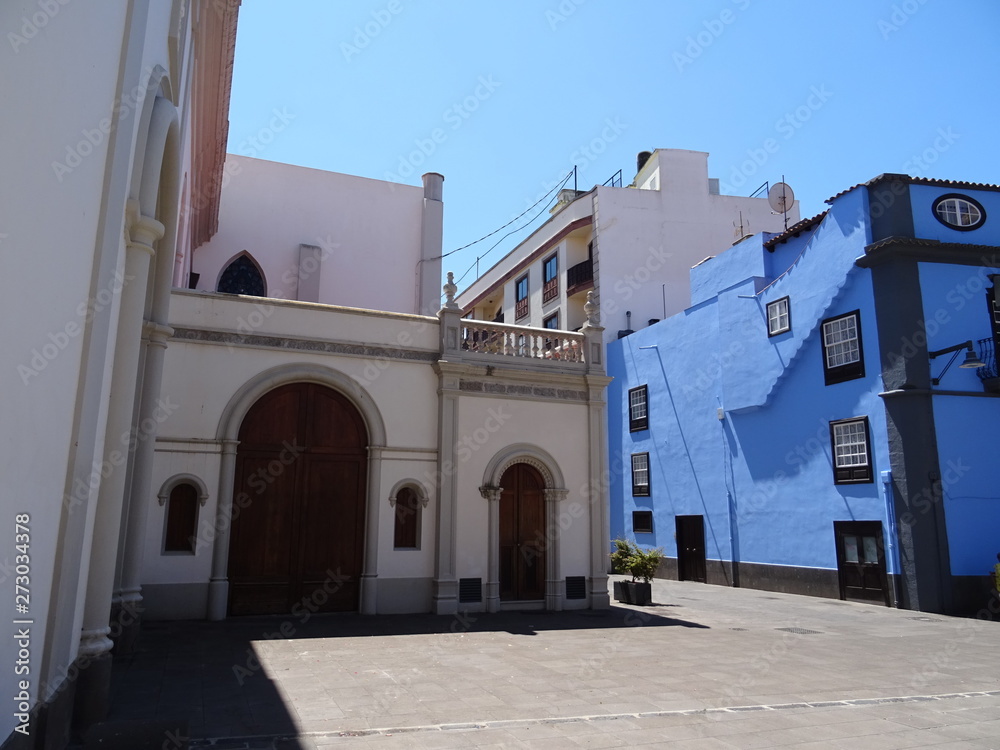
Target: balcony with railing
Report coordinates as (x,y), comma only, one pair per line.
(580,277)
(502,339)
(988,374)
(551,289)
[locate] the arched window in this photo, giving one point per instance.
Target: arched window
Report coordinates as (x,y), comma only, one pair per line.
(242,277)
(406,534)
(182,518)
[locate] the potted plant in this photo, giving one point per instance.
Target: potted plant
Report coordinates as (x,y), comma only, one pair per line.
(631,559)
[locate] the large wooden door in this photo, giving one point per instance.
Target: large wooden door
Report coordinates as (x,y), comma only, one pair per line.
(298,504)
(523,544)
(691,548)
(861,561)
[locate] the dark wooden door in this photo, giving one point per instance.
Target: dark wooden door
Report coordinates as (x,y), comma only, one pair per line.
(298,504)
(861,561)
(522,534)
(690,548)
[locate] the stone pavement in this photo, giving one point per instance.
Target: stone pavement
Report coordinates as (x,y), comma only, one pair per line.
(706,667)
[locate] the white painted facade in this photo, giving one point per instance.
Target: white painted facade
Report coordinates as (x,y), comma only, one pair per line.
(645,238)
(122,382)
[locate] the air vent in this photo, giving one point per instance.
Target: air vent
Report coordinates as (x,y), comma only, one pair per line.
(470,589)
(576,587)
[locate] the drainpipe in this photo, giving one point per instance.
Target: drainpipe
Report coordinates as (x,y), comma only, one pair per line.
(892,552)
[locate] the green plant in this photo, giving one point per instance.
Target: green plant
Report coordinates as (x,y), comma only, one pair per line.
(631,559)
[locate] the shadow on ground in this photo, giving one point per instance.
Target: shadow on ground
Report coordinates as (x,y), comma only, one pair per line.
(187,674)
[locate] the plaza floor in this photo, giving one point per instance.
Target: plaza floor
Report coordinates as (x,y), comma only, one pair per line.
(705,667)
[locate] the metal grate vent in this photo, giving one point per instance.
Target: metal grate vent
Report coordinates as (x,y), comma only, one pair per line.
(576,587)
(800,631)
(470,589)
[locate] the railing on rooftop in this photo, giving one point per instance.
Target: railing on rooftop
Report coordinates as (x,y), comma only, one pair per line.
(762,191)
(507,340)
(614,180)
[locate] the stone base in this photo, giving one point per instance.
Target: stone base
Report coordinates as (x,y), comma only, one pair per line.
(93,693)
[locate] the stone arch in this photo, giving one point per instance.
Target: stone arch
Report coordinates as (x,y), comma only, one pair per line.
(183,478)
(555,490)
(227,435)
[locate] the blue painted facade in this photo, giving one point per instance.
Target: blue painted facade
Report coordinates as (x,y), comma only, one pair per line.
(739,422)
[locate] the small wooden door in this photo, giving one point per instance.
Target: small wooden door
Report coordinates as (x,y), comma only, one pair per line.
(523,544)
(690,548)
(861,561)
(298,504)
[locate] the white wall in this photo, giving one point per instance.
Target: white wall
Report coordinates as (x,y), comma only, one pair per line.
(369,231)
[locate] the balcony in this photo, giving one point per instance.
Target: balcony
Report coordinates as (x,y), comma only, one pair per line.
(500,339)
(988,374)
(580,277)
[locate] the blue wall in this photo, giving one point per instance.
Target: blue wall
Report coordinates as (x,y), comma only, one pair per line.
(762,477)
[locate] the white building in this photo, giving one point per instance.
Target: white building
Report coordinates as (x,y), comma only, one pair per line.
(634,246)
(168,448)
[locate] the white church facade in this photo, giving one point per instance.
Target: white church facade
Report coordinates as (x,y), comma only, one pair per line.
(253,398)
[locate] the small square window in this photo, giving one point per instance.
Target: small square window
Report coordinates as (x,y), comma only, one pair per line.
(852,455)
(642,521)
(638,412)
(779,318)
(843,357)
(640,474)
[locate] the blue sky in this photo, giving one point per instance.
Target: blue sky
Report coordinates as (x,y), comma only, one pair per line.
(503,98)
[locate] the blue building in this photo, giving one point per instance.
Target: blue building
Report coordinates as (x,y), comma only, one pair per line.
(819,420)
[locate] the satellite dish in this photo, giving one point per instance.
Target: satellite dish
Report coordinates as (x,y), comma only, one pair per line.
(780,197)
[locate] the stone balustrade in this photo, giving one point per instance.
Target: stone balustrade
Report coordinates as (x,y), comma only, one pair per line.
(506,340)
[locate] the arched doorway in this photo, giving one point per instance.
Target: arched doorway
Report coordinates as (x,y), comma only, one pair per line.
(523,542)
(297,535)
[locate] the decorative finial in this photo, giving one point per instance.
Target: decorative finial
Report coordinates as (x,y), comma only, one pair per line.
(449,291)
(590,308)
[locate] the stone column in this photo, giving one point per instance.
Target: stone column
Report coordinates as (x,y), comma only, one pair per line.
(492,496)
(600,522)
(218,585)
(431,234)
(369,573)
(95,646)
(448,368)
(152,411)
(553,549)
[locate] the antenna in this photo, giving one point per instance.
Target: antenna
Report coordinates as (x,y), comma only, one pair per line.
(741,232)
(781,198)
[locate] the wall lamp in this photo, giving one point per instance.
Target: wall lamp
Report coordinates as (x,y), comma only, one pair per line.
(972,360)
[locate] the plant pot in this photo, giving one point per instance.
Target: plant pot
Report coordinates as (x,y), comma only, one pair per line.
(633,592)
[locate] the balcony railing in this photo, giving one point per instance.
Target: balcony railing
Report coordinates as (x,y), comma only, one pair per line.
(988,374)
(551,289)
(579,276)
(506,340)
(521,308)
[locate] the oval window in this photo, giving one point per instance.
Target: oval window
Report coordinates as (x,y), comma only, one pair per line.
(959,212)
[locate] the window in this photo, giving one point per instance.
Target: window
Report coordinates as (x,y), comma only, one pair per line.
(638,417)
(779,318)
(852,462)
(642,521)
(550,272)
(242,277)
(182,518)
(521,295)
(842,355)
(552,323)
(959,212)
(640,474)
(406,533)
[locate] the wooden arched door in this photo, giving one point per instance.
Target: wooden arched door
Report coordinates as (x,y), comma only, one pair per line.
(523,543)
(298,504)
